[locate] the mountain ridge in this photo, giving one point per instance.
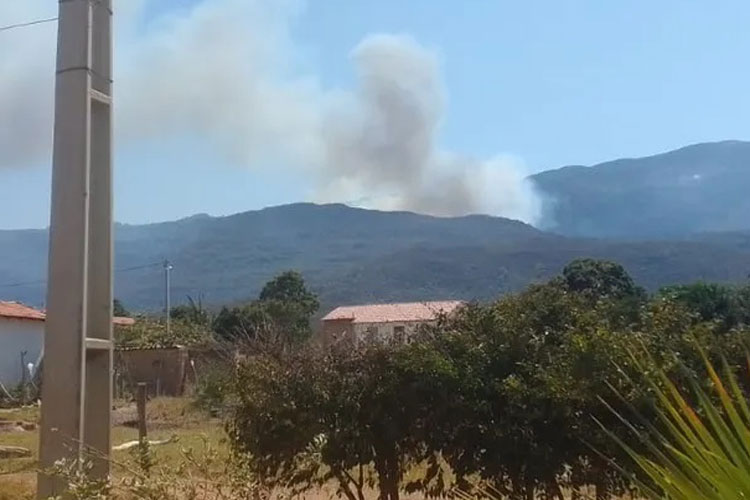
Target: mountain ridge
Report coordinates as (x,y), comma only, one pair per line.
(697,188)
(351,255)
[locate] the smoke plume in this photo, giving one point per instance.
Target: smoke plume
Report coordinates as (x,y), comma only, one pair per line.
(227,74)
(381,142)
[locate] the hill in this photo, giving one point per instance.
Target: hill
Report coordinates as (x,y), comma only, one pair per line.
(229,258)
(694,189)
(352,255)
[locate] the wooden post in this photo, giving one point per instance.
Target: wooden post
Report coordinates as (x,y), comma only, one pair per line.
(141,402)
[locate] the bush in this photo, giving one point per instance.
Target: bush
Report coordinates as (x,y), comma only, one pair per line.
(200,474)
(502,393)
(214,389)
(695,450)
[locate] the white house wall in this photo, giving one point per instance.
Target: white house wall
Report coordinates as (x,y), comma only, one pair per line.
(17,336)
(385,331)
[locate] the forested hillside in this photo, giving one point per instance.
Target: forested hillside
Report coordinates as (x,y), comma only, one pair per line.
(698,188)
(353,255)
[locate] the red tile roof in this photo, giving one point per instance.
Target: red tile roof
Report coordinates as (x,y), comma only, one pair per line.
(19,311)
(15,310)
(388,313)
(123,321)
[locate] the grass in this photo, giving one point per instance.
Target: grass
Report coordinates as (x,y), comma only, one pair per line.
(166,417)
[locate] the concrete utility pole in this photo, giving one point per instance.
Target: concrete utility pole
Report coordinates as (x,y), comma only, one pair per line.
(77,372)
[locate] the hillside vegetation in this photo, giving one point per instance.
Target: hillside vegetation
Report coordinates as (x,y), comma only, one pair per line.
(350,255)
(670,218)
(694,189)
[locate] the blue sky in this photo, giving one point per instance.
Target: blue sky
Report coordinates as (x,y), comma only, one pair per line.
(545,83)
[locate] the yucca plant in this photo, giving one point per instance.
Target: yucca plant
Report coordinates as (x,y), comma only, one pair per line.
(699,451)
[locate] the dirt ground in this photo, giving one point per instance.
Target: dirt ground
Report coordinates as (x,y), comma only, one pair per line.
(167,418)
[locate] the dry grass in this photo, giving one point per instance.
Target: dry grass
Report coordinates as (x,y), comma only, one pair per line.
(166,417)
(17,486)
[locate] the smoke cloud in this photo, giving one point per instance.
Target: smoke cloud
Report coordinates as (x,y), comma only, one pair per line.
(381,142)
(227,73)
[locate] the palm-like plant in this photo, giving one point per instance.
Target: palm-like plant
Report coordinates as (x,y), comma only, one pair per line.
(693,452)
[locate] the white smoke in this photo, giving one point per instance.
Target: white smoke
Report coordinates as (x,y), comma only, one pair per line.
(225,73)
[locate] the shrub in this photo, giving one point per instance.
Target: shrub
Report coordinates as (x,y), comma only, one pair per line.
(692,451)
(202,474)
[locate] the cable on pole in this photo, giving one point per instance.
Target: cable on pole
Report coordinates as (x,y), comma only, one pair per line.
(27,24)
(42,282)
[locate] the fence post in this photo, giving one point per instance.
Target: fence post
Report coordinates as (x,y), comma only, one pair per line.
(141,402)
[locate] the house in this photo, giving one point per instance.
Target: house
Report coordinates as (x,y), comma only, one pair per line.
(22,340)
(382,322)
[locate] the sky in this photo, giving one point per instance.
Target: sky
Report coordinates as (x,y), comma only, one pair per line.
(436,106)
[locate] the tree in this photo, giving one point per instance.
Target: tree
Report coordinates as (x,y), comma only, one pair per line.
(599,279)
(710,301)
(249,322)
(289,287)
(118,309)
(283,310)
(192,312)
(502,392)
(349,408)
(227,324)
(149,332)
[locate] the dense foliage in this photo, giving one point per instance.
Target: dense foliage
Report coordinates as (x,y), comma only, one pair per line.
(351,256)
(284,307)
(149,332)
(118,309)
(282,312)
(503,392)
(699,451)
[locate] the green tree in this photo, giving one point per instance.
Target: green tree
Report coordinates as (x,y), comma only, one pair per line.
(118,309)
(149,332)
(600,279)
(289,287)
(282,312)
(352,407)
(192,312)
(711,302)
(227,324)
(501,392)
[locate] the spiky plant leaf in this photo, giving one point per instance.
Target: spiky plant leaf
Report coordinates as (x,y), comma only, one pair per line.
(692,452)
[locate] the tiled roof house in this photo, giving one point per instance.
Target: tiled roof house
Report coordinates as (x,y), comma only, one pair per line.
(381,322)
(22,339)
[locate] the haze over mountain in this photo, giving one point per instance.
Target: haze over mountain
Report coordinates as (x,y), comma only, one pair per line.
(698,188)
(664,209)
(352,255)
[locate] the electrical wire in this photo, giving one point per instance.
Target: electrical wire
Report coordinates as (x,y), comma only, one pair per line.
(42,282)
(27,24)
(40,21)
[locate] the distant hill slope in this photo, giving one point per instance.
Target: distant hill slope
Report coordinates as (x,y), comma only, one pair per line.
(698,188)
(229,258)
(352,255)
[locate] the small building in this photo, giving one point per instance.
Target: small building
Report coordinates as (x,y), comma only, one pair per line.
(382,322)
(22,341)
(163,370)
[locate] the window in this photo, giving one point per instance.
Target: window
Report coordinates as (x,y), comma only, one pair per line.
(399,334)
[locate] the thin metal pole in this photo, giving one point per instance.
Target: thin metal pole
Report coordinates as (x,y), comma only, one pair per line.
(167,295)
